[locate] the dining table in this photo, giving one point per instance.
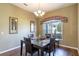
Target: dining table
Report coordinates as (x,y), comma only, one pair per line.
(37,43)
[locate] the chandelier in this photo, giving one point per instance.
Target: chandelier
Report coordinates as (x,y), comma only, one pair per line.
(39,11)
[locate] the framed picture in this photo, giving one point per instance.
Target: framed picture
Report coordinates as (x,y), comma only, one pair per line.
(13,25)
(32,26)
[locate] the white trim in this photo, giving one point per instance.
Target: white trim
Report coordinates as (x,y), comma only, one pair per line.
(69,47)
(1,52)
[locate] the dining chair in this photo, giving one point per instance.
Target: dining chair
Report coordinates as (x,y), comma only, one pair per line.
(31,36)
(29,47)
(48,35)
(21,49)
(51,47)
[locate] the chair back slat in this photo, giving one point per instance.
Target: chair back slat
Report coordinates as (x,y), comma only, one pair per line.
(52,44)
(28,46)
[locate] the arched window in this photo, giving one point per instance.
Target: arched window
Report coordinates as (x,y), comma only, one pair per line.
(54,26)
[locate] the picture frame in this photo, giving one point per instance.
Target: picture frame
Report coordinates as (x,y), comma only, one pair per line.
(13,25)
(32,26)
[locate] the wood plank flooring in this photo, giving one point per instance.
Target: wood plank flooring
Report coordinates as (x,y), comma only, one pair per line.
(61,51)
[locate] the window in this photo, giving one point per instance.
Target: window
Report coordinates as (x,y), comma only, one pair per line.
(53,27)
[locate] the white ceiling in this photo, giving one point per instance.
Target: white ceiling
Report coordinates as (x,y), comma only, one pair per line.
(31,7)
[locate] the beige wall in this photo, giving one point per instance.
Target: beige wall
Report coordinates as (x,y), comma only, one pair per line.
(38,26)
(39,30)
(78,27)
(7,40)
(70,28)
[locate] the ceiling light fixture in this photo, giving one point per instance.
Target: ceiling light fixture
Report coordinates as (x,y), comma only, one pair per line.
(39,12)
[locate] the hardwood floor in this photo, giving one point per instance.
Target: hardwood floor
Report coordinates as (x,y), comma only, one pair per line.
(59,52)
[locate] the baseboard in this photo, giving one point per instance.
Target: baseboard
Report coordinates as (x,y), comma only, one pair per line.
(1,52)
(69,47)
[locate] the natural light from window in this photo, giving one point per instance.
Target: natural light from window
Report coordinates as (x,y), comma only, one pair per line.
(53,27)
